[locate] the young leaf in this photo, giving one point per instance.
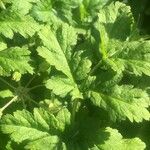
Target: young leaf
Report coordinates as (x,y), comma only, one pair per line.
(6,93)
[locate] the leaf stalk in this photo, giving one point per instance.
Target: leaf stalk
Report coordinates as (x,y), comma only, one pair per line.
(74,109)
(9,103)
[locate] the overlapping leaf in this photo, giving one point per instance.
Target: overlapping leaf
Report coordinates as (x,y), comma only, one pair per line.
(22,6)
(3,45)
(11,22)
(15,59)
(58,51)
(63,50)
(88,9)
(37,130)
(52,11)
(116,141)
(123,102)
(120,52)
(108,25)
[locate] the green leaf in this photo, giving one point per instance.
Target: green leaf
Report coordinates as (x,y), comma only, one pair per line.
(58,51)
(47,142)
(11,22)
(15,59)
(118,51)
(2,5)
(61,86)
(115,141)
(22,6)
(38,130)
(108,24)
(123,102)
(3,46)
(64,119)
(81,65)
(16,76)
(43,11)
(53,12)
(134,57)
(6,93)
(90,8)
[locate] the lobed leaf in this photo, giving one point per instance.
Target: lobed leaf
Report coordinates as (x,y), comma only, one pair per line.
(12,22)
(118,51)
(123,102)
(38,130)
(58,51)
(116,141)
(15,59)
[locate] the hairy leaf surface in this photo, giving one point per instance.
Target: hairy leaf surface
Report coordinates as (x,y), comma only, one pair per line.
(41,128)
(60,53)
(123,102)
(15,59)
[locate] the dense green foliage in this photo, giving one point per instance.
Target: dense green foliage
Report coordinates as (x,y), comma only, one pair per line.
(74,75)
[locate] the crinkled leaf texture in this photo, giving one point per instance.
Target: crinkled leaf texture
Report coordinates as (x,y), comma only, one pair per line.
(15,59)
(11,22)
(119,50)
(82,53)
(115,141)
(122,55)
(52,11)
(123,102)
(38,131)
(22,6)
(58,51)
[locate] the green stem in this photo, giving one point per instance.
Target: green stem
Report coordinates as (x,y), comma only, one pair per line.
(7,83)
(74,109)
(9,103)
(95,68)
(2,5)
(91,72)
(33,101)
(23,103)
(30,81)
(103,50)
(37,86)
(82,12)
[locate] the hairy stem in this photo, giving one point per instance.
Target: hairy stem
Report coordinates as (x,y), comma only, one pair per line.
(33,101)
(30,81)
(37,86)
(9,103)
